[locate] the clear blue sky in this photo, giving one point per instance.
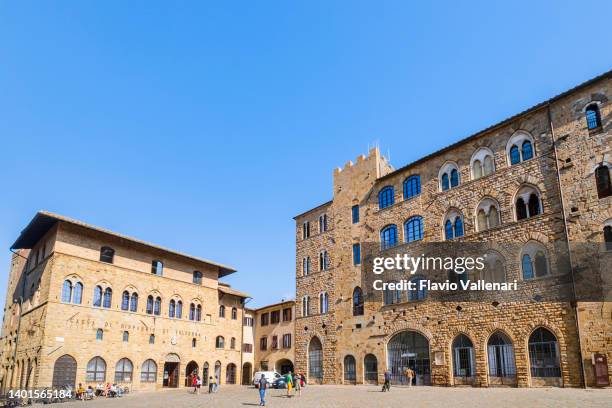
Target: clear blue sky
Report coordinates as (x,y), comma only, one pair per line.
(206,127)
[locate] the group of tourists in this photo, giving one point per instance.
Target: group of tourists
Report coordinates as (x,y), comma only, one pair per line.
(293,381)
(196,383)
(109,391)
(409,372)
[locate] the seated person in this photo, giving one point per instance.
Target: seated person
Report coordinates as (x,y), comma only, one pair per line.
(80,392)
(89,393)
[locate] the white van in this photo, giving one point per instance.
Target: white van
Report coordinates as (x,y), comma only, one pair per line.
(269,375)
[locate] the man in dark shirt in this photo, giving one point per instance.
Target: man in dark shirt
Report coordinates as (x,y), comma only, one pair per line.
(263,384)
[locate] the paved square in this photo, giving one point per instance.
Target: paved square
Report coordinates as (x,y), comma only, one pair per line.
(328,396)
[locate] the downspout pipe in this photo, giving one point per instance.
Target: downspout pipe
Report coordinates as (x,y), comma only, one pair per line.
(574,303)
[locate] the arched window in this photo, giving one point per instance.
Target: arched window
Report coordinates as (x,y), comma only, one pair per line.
(315,360)
(323,303)
(464,363)
(125,300)
(151,339)
(148,371)
(220,342)
(134,302)
(412,186)
(453,225)
(534,261)
(392,296)
(494,270)
(593,118)
(388,237)
(322,223)
(234,313)
(413,229)
(543,354)
(358,301)
(194,342)
(487,215)
(126,336)
(192,311)
(608,235)
(482,163)
(123,371)
(150,304)
(448,176)
(157,306)
(230,373)
(97,297)
(603,181)
(179,309)
(67,291)
(306,265)
(323,261)
(96,370)
(233,343)
(500,353)
(456,277)
(108,295)
(445,185)
(197,277)
(107,254)
(527,203)
(519,147)
(171,308)
(417,293)
(198,315)
(350,371)
(305,306)
(77,296)
(99,335)
(454,178)
(222,311)
(386,197)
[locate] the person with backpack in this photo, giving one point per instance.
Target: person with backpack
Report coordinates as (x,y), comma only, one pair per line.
(262,385)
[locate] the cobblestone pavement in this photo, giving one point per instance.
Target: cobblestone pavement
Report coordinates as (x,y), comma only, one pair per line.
(363,396)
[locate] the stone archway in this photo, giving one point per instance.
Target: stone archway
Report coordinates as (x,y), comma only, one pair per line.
(409,349)
(247,374)
(64,372)
(284,366)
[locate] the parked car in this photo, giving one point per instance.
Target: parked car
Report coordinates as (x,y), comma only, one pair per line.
(280,382)
(270,376)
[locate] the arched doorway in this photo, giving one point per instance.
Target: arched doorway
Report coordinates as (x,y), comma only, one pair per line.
(218,372)
(205,374)
(171,370)
(64,372)
(246,373)
(230,374)
(464,364)
(350,370)
(315,361)
(190,371)
(370,365)
(502,370)
(544,358)
(284,366)
(409,349)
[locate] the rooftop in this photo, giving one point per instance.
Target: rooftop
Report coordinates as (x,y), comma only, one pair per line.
(43,221)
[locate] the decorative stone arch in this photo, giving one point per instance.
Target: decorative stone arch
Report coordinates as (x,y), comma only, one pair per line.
(448,350)
(406,326)
(518,138)
(496,327)
(447,167)
(74,278)
(562,345)
(480,154)
(524,191)
(103,283)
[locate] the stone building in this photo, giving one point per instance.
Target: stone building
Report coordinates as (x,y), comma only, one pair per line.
(248,352)
(274,333)
(88,305)
(533,193)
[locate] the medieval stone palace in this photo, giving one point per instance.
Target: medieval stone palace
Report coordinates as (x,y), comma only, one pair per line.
(526,188)
(533,192)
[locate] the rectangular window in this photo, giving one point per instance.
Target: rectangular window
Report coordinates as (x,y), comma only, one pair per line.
(287,340)
(264,365)
(265,319)
(275,317)
(157,268)
(287,314)
(248,321)
(355,212)
(274,342)
(356,254)
(247,348)
(263,343)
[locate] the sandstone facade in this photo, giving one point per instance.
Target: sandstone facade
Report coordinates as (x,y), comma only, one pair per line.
(560,172)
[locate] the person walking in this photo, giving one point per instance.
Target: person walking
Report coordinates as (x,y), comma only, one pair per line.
(296,384)
(263,384)
(387,384)
(211,385)
(409,375)
(289,381)
(194,383)
(217,384)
